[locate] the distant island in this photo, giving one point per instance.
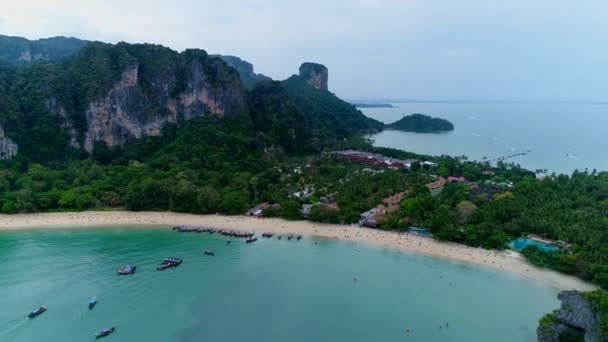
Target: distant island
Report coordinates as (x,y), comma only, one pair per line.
(373,105)
(421,123)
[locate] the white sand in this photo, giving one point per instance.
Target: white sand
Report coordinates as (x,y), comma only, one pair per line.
(503,261)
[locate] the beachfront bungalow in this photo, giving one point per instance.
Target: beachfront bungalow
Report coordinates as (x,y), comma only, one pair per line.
(370,222)
(258,209)
(306,209)
(374,216)
(366,215)
(456,179)
(303,194)
(328,199)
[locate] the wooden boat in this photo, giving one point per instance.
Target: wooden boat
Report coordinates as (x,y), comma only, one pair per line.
(168,263)
(92,303)
(37,312)
(105,332)
(124,270)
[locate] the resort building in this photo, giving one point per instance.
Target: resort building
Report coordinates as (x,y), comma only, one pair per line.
(380,160)
(374,216)
(258,210)
(395,199)
(306,209)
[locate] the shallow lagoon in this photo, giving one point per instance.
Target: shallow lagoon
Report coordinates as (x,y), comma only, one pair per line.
(271,290)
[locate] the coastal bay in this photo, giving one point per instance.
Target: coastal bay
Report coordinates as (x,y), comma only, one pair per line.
(508,261)
(561,137)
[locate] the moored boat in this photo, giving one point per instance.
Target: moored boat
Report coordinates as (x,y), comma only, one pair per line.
(251,239)
(124,270)
(92,303)
(299,237)
(209,252)
(105,332)
(37,312)
(168,263)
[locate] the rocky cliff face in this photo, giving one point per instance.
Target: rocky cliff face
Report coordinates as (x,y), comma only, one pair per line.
(8,148)
(128,112)
(245,69)
(316,75)
(575,318)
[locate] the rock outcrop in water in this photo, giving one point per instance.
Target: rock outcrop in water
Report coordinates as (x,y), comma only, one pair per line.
(315,75)
(576,319)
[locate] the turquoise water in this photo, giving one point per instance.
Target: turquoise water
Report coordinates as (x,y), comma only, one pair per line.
(271,290)
(521,244)
(562,136)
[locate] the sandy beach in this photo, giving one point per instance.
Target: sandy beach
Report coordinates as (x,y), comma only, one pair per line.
(507,261)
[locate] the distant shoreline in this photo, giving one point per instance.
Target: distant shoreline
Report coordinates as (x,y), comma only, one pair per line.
(507,261)
(374,105)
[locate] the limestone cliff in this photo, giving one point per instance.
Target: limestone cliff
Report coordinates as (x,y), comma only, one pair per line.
(245,69)
(127,112)
(8,148)
(315,75)
(576,319)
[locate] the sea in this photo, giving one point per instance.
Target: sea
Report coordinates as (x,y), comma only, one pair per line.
(270,290)
(557,136)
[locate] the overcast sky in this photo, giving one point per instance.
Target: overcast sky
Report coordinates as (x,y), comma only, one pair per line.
(427,49)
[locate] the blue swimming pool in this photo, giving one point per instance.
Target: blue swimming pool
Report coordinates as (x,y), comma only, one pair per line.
(521,243)
(419,231)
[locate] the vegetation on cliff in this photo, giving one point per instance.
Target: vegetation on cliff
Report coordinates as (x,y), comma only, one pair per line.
(326,114)
(599,303)
(421,123)
(18,50)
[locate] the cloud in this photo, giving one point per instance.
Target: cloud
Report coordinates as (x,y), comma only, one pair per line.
(374,48)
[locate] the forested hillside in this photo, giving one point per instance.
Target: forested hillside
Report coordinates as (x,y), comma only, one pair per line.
(18,50)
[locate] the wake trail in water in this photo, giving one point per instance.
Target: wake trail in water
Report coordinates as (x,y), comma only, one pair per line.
(12,326)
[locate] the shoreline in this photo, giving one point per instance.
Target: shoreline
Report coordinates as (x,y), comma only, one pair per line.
(502,261)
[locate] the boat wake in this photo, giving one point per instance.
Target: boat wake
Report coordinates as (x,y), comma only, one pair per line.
(12,327)
(572,156)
